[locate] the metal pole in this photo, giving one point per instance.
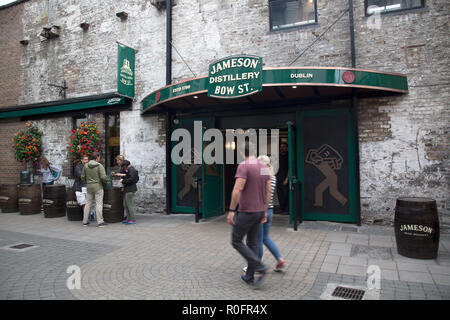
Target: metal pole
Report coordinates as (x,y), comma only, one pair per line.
(168,163)
(295,204)
(197,203)
(355,115)
(168,42)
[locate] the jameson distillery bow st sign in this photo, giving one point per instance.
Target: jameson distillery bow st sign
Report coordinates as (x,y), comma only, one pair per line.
(235,76)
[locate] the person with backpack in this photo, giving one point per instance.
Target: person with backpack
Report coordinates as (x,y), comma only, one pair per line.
(129,190)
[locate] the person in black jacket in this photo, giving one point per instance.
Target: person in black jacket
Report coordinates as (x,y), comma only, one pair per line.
(129,190)
(78,184)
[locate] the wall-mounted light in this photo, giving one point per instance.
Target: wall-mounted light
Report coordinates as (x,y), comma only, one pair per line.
(122,15)
(159,4)
(294,87)
(50,32)
(84,26)
(195,97)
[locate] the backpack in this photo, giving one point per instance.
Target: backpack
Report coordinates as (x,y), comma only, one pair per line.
(137,176)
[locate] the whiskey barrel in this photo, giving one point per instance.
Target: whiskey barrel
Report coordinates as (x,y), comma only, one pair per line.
(8,198)
(73,209)
(416,226)
(113,205)
(54,201)
(30,199)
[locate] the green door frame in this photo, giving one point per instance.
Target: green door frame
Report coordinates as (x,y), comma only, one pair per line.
(300,118)
(182,122)
(209,207)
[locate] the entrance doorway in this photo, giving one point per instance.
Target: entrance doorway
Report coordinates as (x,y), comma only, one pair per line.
(321,165)
(230,169)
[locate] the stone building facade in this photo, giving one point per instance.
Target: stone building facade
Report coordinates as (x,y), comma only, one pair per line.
(403,140)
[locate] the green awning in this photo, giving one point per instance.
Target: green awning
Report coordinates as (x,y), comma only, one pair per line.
(62,106)
(279,84)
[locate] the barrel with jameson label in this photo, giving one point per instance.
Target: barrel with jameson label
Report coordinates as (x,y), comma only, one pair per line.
(113,205)
(8,198)
(73,209)
(30,199)
(417,227)
(54,201)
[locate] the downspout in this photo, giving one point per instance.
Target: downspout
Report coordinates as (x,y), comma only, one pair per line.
(355,115)
(168,116)
(168,42)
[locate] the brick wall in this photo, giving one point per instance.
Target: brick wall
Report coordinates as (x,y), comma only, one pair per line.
(9,167)
(11,32)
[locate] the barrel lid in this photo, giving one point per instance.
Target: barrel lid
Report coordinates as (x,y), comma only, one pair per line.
(416,200)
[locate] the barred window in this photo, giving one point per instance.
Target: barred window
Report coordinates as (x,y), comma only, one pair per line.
(384,6)
(291,13)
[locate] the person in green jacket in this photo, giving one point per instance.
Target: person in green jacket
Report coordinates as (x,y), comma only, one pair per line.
(94,176)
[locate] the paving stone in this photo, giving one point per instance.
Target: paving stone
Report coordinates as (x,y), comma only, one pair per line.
(329,267)
(415,276)
(351,270)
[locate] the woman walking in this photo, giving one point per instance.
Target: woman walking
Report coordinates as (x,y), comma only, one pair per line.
(263,234)
(129,190)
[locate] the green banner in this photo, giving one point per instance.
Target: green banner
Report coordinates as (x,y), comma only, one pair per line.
(235,76)
(125,71)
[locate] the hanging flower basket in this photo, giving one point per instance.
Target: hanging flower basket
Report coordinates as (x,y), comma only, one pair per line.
(27,145)
(84,141)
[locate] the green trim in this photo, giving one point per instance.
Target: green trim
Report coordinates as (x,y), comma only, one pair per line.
(291,168)
(365,79)
(209,123)
(63,107)
(352,215)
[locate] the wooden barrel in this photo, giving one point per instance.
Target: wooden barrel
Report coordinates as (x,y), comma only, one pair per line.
(73,209)
(8,198)
(113,205)
(30,199)
(54,201)
(416,226)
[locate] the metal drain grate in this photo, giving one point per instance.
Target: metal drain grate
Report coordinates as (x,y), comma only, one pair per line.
(19,247)
(22,246)
(348,293)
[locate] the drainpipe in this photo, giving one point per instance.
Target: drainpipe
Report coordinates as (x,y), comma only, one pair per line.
(168,42)
(168,117)
(355,115)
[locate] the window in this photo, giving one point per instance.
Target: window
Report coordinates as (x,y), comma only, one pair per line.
(112,140)
(384,6)
(78,120)
(291,13)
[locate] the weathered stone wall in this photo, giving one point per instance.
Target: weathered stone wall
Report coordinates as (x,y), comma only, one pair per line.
(403,139)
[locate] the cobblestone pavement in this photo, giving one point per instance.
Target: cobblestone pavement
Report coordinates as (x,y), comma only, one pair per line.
(171,257)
